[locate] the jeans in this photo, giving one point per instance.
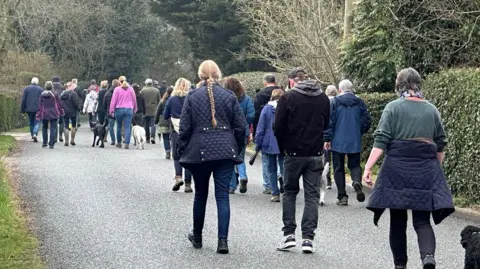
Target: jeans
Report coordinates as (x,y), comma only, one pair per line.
(310,168)
(124,115)
(34,123)
(101,117)
(150,128)
(339,168)
(53,132)
(67,120)
(242,171)
(166,142)
(222,172)
(270,169)
(176,159)
(398,234)
(328,159)
(111,129)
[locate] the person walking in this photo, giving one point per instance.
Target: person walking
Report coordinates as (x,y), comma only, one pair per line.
(164,126)
(90,104)
(139,116)
(71,105)
(248,111)
(331,92)
(81,98)
(50,110)
(266,142)
(212,132)
(30,105)
(101,112)
(301,116)
(411,133)
(163,88)
(349,121)
(173,111)
(106,106)
(123,106)
(152,99)
(58,89)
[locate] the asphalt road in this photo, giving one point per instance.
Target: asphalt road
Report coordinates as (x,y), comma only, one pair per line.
(114,208)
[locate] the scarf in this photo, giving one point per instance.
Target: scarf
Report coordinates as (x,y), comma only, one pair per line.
(407,93)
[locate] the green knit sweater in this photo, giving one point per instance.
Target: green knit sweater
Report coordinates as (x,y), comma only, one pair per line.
(406,119)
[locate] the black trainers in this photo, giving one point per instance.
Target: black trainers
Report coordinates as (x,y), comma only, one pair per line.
(195,240)
(307,246)
(280,181)
(243,186)
(44,145)
(429,262)
(153,141)
(35,140)
(222,246)
(287,243)
(358,189)
(343,201)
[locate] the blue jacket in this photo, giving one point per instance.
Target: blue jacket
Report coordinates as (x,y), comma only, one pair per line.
(173,107)
(349,120)
(265,139)
(246,105)
(30,99)
(199,141)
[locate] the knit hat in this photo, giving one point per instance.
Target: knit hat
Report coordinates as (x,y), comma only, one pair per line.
(56,79)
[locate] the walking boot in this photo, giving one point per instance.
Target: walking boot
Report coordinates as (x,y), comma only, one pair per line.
(167,155)
(74,133)
(195,240)
(188,187)
(60,134)
(358,189)
(67,136)
(178,183)
(222,246)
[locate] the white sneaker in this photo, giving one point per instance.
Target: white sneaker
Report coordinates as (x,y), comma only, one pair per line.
(287,243)
(307,246)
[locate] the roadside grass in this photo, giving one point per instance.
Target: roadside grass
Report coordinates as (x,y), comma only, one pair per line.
(18,248)
(25,129)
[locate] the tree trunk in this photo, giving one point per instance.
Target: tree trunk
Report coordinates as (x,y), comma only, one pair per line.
(347,19)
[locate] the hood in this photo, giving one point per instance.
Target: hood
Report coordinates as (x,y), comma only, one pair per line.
(348,99)
(65,94)
(56,79)
(47,94)
(309,87)
(273,104)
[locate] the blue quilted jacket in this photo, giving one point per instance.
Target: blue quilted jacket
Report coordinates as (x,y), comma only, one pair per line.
(199,141)
(411,178)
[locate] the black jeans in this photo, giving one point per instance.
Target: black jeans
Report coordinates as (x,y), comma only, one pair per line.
(339,170)
(398,234)
(53,132)
(68,120)
(176,159)
(91,119)
(149,126)
(310,168)
(102,116)
(327,159)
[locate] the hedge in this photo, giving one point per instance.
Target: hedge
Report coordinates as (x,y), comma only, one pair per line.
(10,116)
(456,93)
(253,81)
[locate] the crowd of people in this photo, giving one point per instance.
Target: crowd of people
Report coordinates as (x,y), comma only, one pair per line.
(298,129)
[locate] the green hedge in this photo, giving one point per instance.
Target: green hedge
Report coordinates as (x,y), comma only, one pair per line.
(10,116)
(456,93)
(253,81)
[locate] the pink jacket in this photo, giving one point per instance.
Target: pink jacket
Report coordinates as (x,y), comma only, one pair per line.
(123,98)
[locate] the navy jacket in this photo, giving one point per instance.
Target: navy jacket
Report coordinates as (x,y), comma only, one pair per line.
(199,141)
(30,99)
(101,97)
(411,177)
(173,107)
(349,120)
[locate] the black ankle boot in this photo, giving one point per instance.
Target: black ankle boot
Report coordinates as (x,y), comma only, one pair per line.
(195,240)
(222,246)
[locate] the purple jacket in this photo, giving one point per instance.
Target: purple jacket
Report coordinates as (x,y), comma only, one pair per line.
(50,107)
(265,139)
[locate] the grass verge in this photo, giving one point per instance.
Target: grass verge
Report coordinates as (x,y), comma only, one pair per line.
(22,130)
(18,248)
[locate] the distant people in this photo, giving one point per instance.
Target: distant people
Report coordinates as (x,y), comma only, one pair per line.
(331,92)
(248,111)
(123,106)
(58,89)
(71,105)
(173,112)
(81,98)
(139,116)
(90,104)
(152,99)
(301,116)
(156,85)
(266,142)
(50,110)
(411,134)
(106,106)
(212,130)
(349,121)
(101,112)
(163,88)
(164,126)
(30,105)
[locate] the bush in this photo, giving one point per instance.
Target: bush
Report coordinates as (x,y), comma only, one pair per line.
(253,81)
(456,93)
(10,117)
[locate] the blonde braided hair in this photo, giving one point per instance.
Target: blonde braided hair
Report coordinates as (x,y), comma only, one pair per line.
(210,72)
(212,100)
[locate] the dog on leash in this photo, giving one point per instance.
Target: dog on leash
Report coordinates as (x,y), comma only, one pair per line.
(471,243)
(139,136)
(323,183)
(99,131)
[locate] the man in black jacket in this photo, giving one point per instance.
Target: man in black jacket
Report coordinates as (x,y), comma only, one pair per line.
(300,118)
(81,98)
(263,97)
(58,89)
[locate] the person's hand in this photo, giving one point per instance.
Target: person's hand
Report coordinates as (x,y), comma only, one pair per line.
(367,176)
(327,145)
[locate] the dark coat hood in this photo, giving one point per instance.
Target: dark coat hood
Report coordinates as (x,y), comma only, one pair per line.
(308,87)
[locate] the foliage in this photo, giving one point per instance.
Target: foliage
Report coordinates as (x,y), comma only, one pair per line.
(253,81)
(461,119)
(427,35)
(10,116)
(19,67)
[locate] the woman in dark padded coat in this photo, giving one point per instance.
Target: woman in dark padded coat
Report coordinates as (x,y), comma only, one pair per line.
(212,130)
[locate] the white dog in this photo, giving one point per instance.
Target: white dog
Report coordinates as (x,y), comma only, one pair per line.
(139,136)
(323,183)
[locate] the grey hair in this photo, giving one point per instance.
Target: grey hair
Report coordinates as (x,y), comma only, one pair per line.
(34,81)
(269,78)
(149,82)
(48,85)
(346,86)
(408,79)
(331,90)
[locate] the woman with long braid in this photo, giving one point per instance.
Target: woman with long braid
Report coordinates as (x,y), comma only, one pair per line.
(212,130)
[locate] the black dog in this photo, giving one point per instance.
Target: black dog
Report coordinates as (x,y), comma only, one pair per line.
(471,243)
(99,131)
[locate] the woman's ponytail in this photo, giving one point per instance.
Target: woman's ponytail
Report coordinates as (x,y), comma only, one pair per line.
(212,100)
